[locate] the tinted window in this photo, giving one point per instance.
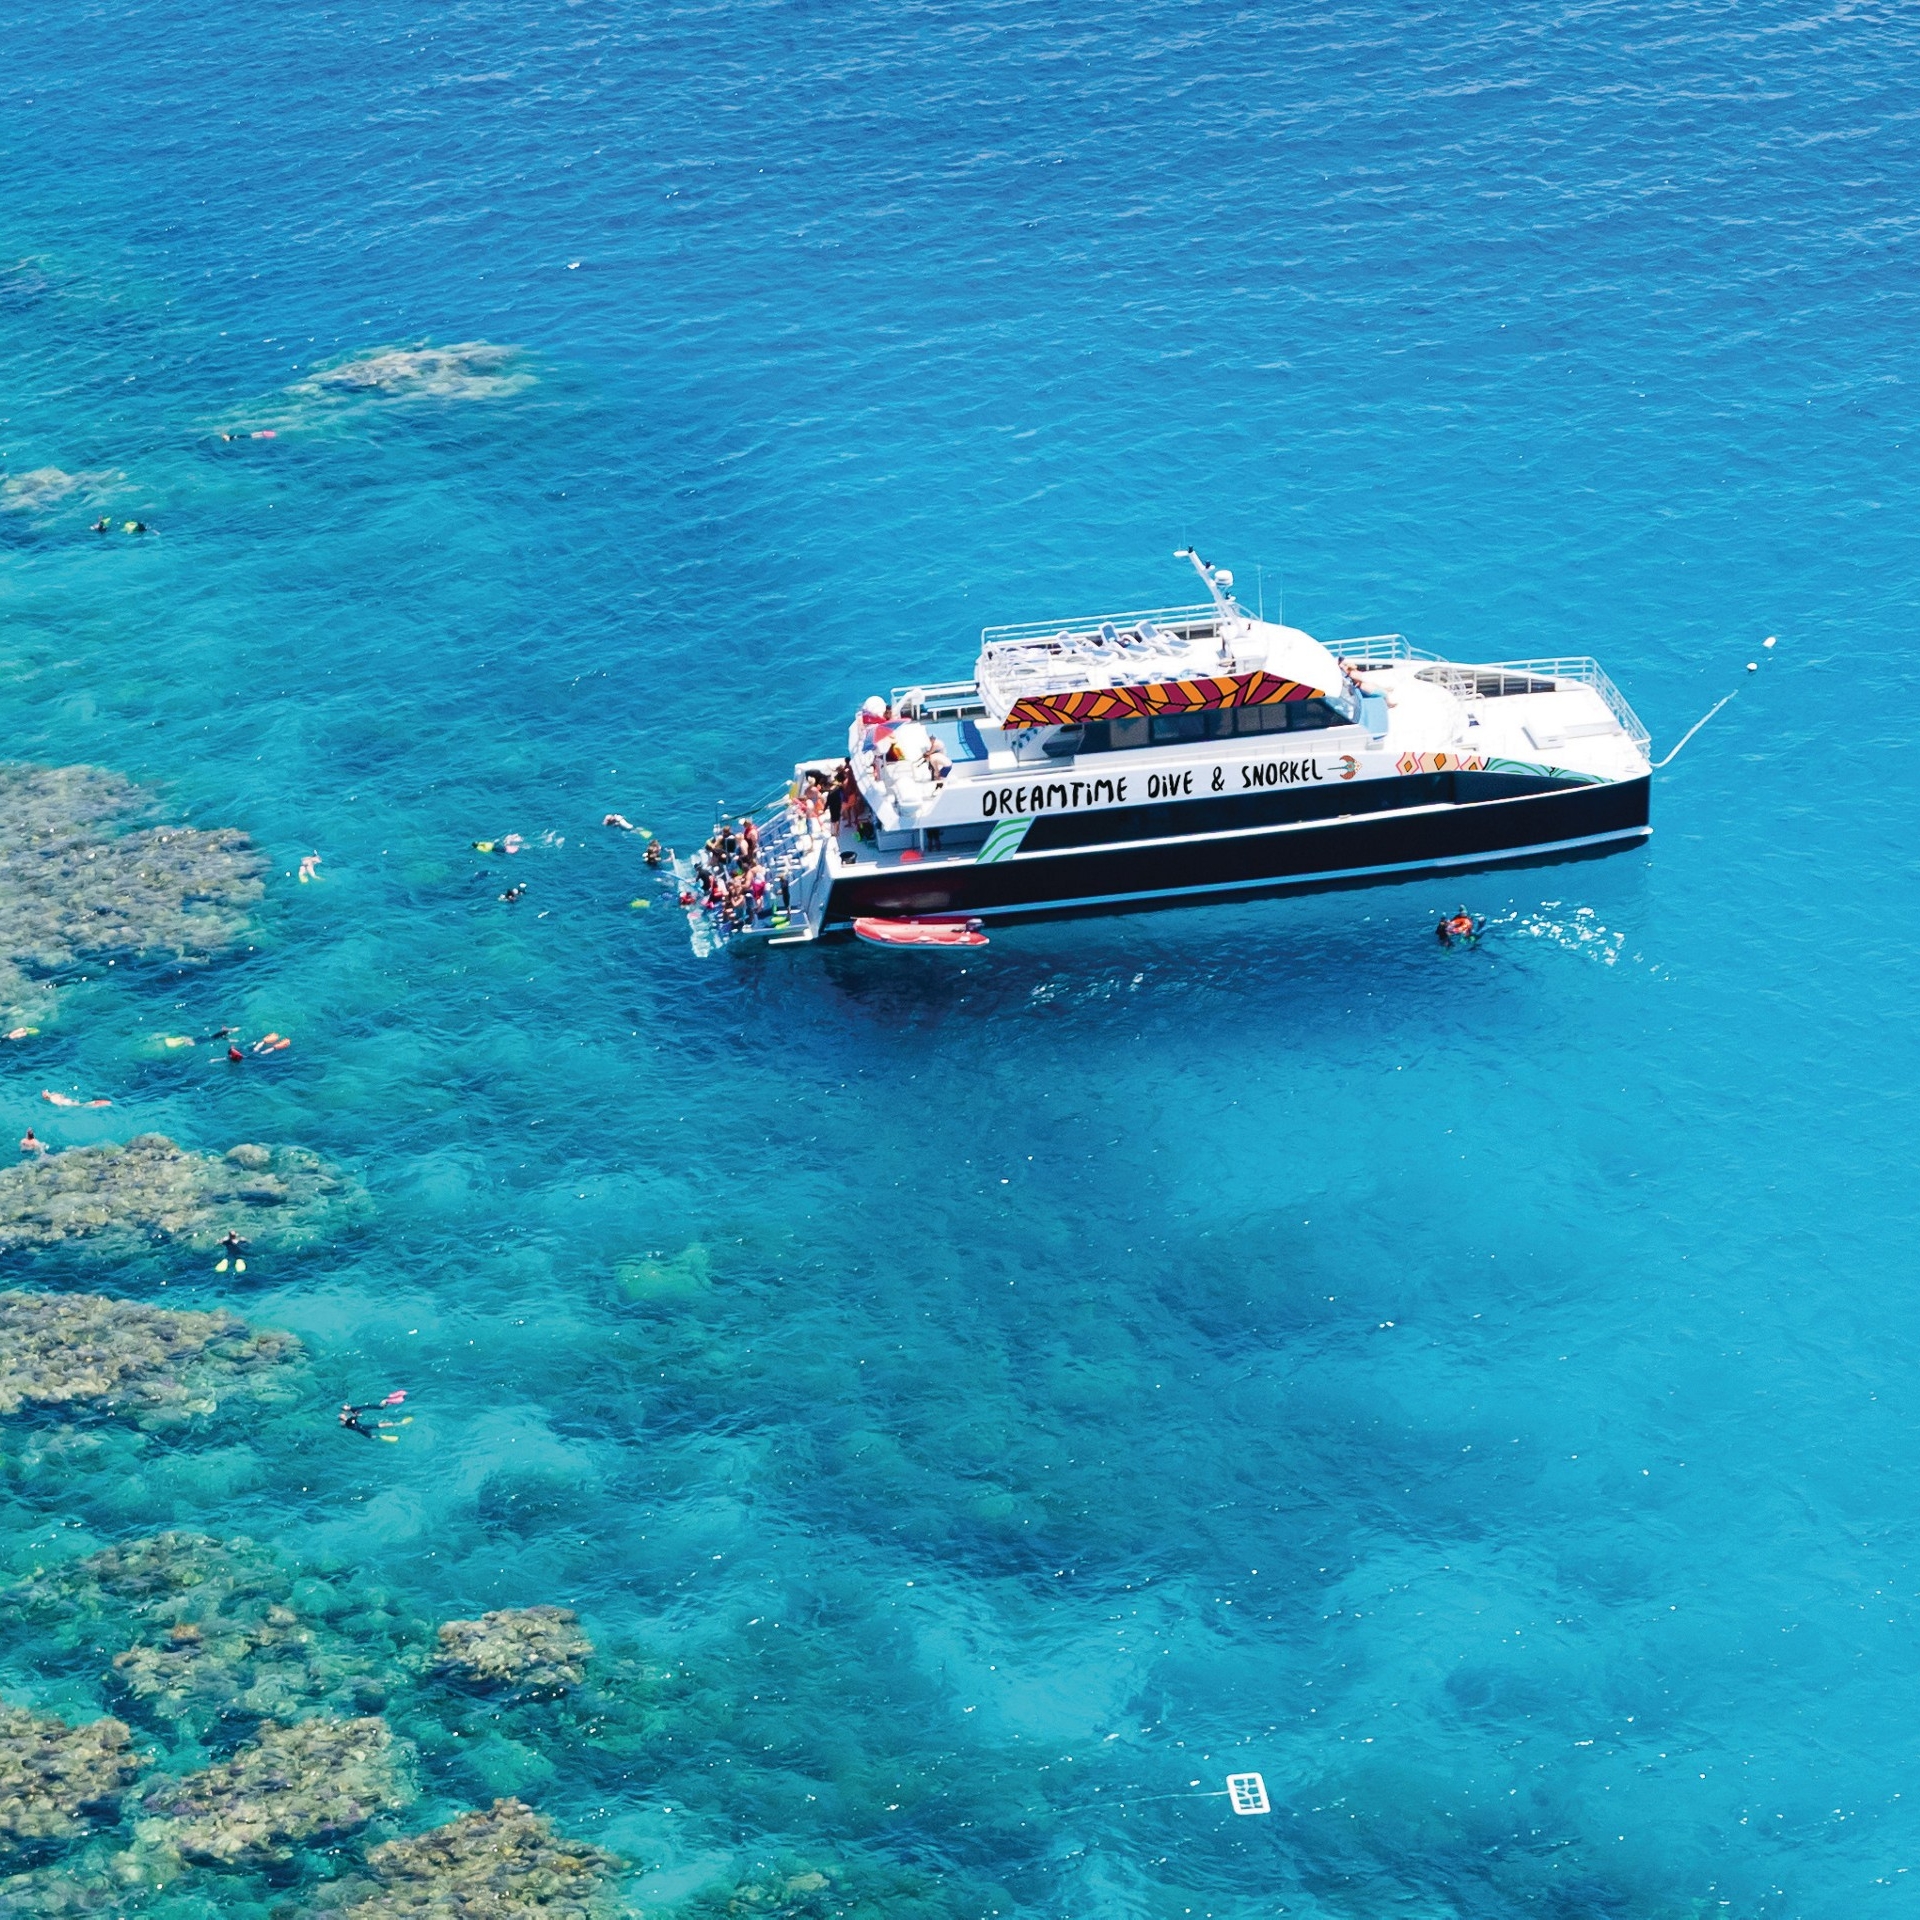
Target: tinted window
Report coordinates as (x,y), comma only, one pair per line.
(1213,723)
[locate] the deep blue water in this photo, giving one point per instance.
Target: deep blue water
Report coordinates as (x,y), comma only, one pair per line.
(1475,1390)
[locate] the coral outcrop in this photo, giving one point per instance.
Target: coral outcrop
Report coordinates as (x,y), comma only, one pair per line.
(467,370)
(85,1351)
(40,488)
(204,1634)
(502,1863)
(853,1888)
(56,1780)
(73,887)
(163,1571)
(527,1649)
(152,1189)
(315,1781)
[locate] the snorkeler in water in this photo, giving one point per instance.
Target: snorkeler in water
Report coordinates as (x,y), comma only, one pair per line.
(1461,926)
(230,1252)
(350,1419)
(514,892)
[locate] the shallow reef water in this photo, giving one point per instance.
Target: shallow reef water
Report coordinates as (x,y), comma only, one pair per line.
(888,1435)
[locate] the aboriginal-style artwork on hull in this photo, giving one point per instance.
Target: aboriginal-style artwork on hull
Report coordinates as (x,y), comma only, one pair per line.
(1158,696)
(1441,763)
(1538,768)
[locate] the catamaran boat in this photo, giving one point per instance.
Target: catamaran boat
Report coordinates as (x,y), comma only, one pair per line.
(1183,755)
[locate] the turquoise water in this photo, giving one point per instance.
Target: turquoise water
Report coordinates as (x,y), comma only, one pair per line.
(1472,1389)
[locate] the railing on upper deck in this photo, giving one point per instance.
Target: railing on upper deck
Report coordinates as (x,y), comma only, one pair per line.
(1588,672)
(1379,648)
(1055,656)
(1171,618)
(941,700)
(1376,648)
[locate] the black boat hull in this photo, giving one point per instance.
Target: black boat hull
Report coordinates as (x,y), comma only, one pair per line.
(1537,827)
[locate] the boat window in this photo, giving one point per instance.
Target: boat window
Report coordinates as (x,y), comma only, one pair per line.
(1304,716)
(1166,729)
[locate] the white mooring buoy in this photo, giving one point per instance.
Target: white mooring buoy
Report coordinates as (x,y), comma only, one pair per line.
(1248,1792)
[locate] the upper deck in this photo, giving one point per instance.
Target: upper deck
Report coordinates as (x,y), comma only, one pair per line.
(1163,660)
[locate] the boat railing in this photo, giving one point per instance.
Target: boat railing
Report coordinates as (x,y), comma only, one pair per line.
(1587,672)
(1042,657)
(1374,649)
(1466,679)
(942,700)
(1089,625)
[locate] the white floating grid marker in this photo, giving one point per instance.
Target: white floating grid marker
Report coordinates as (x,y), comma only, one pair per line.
(1248,1792)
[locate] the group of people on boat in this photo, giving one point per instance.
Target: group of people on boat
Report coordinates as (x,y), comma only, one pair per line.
(822,806)
(730,880)
(901,740)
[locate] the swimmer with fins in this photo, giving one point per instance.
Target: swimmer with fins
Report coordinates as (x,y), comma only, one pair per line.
(350,1419)
(230,1254)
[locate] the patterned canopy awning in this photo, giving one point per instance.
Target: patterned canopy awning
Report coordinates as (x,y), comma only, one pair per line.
(1258,689)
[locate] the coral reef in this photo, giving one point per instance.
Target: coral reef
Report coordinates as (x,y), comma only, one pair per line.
(223,1632)
(531,1649)
(161,1570)
(265,1668)
(797,1890)
(314,1781)
(273,1196)
(56,1779)
(658,1281)
(499,1864)
(74,889)
(42,487)
(85,1350)
(467,370)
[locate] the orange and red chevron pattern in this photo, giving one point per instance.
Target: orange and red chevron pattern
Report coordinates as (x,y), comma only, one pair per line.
(1259,689)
